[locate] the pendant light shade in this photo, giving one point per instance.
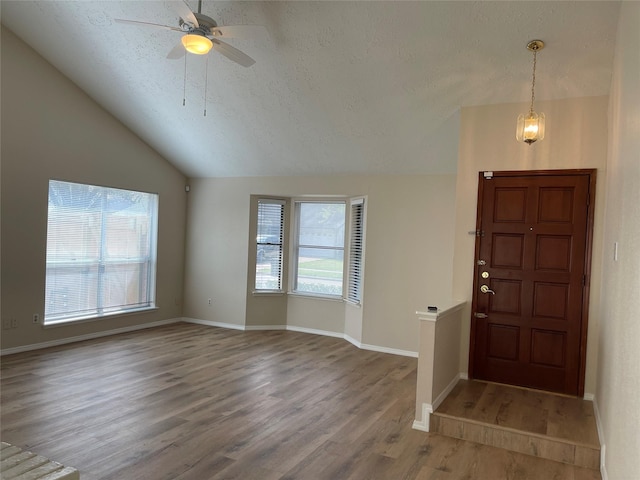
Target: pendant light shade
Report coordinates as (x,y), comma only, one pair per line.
(530,126)
(198,44)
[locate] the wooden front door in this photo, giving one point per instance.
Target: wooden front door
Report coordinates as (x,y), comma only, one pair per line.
(531,278)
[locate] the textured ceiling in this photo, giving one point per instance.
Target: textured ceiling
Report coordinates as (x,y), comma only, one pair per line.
(338,87)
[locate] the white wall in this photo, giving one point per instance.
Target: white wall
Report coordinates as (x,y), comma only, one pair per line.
(409,247)
(51,129)
(618,395)
(576,137)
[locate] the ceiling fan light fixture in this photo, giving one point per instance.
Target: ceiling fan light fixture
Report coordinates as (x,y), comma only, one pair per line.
(530,127)
(198,44)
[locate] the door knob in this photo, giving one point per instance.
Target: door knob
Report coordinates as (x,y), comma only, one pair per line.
(485,289)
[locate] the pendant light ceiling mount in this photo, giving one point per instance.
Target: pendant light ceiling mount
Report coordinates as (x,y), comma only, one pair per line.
(535,45)
(530,127)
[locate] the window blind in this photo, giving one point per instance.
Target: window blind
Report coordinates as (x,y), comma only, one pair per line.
(101,250)
(356,239)
(269,244)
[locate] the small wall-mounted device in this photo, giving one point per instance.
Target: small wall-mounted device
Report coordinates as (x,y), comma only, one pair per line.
(431,308)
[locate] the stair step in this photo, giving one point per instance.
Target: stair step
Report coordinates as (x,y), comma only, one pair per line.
(539,424)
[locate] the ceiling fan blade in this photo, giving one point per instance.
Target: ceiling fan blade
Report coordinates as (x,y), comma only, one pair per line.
(184,10)
(257,32)
(232,53)
(146,24)
(176,52)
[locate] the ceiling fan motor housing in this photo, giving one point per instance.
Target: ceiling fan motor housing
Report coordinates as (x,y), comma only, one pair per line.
(205,26)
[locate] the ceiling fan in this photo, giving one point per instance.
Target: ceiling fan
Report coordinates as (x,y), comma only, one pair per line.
(201,33)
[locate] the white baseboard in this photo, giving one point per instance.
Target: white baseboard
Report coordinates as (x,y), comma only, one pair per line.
(603,445)
(88,336)
(258,328)
(429,408)
(423,424)
(211,323)
(603,468)
(393,351)
(376,348)
(312,331)
(447,390)
(352,340)
(589,397)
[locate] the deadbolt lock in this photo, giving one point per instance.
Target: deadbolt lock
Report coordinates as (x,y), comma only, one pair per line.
(485,274)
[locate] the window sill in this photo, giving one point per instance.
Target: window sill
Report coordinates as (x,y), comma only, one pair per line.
(267,293)
(331,298)
(93,318)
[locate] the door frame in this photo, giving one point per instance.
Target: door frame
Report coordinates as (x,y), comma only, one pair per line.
(591,173)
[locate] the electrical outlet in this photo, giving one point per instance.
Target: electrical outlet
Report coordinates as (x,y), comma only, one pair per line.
(9,323)
(209,301)
(36,318)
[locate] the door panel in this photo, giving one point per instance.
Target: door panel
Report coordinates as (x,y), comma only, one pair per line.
(535,241)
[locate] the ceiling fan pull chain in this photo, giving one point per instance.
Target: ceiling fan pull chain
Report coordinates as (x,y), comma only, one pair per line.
(184,84)
(206,78)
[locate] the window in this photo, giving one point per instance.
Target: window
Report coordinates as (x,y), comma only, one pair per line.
(356,244)
(269,244)
(101,251)
(319,248)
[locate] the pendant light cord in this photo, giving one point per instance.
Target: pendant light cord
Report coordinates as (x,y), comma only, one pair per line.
(184,84)
(206,78)
(533,81)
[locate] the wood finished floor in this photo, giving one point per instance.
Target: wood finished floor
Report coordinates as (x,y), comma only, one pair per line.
(194,402)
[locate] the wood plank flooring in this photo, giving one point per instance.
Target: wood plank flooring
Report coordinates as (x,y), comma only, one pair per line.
(190,402)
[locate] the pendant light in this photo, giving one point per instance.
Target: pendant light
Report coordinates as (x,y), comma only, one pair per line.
(530,127)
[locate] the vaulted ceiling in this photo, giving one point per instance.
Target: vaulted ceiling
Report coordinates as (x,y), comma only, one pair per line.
(338,87)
